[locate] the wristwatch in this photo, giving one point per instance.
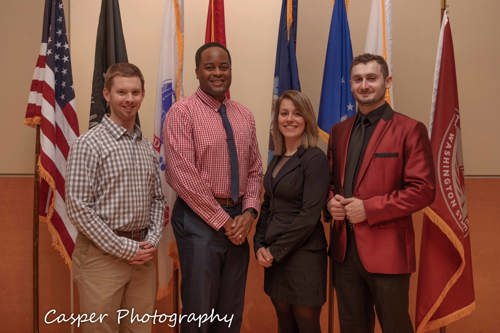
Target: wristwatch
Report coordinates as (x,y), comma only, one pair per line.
(252,212)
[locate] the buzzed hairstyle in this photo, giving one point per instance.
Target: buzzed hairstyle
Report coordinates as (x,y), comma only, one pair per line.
(368,57)
(304,107)
(124,69)
(202,48)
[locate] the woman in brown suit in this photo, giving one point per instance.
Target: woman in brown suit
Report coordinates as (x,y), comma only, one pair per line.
(289,241)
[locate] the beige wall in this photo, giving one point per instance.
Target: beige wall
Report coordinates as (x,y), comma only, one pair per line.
(253,56)
(18,56)
(251,33)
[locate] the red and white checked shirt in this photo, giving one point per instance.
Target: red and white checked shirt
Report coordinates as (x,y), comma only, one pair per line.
(198,166)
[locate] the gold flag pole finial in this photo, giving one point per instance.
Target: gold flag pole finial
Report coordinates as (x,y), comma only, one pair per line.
(443,8)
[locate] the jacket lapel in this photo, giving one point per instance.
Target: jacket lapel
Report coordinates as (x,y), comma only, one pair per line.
(289,166)
(342,146)
(377,135)
(268,179)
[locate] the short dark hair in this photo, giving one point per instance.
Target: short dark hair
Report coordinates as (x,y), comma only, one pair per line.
(122,69)
(368,57)
(202,48)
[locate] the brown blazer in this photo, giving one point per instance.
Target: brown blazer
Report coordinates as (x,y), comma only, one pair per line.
(395,179)
(293,201)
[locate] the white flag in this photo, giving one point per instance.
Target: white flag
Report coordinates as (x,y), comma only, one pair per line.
(169,90)
(379,35)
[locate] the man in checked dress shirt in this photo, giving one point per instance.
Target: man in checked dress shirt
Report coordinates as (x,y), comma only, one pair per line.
(210,227)
(114,198)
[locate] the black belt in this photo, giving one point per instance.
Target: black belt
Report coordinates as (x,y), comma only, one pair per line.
(228,202)
(137,235)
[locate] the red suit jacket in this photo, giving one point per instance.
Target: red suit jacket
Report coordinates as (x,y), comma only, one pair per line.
(395,179)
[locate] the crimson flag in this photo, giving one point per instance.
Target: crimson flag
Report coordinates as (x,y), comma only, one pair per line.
(215,31)
(445,290)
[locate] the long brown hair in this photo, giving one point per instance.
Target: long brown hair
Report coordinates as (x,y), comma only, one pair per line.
(304,106)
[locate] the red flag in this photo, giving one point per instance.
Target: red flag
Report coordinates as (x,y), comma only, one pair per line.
(445,290)
(216,31)
(51,105)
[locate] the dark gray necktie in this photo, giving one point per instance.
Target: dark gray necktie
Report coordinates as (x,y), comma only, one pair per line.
(354,156)
(233,156)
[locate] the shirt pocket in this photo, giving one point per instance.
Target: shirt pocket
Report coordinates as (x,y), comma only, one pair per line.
(387,155)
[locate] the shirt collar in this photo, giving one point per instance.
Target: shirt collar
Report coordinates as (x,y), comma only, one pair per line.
(118,131)
(374,116)
(209,100)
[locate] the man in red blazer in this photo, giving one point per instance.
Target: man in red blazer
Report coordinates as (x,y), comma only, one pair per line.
(381,173)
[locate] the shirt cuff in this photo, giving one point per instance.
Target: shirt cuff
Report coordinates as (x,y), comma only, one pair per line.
(153,240)
(130,247)
(219,219)
(251,203)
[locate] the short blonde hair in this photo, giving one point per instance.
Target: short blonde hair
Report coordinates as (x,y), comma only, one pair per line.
(304,106)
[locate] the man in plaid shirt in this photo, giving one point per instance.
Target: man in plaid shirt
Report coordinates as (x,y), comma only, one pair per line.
(114,198)
(214,165)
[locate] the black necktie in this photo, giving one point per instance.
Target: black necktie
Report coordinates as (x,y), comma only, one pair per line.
(233,156)
(354,157)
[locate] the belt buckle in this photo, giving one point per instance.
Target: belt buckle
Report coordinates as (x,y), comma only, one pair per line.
(227,202)
(137,235)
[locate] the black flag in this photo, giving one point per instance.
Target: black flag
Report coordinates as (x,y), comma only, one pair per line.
(109,49)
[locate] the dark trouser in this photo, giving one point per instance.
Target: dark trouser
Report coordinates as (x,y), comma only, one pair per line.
(359,291)
(213,272)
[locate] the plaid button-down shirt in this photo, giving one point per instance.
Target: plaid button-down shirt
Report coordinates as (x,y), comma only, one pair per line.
(198,166)
(113,183)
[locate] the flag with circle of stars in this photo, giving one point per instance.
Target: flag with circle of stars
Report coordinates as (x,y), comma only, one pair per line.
(337,102)
(51,107)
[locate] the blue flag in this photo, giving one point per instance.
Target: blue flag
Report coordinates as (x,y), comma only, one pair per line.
(286,74)
(337,102)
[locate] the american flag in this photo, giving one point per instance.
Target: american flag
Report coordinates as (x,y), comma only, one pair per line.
(51,105)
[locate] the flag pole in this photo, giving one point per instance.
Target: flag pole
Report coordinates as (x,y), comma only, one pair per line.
(443,8)
(176,278)
(331,292)
(71,284)
(331,305)
(35,233)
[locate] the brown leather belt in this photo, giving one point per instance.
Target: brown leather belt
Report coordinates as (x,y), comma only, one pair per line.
(228,202)
(137,235)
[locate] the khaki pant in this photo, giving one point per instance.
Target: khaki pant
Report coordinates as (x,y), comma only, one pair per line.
(109,287)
